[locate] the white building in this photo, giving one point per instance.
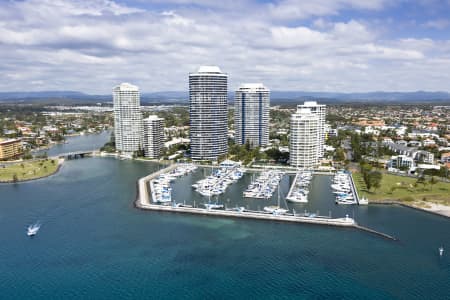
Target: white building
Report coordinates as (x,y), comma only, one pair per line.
(251,114)
(306,138)
(127,118)
(401,161)
(208,113)
(153,136)
(320,110)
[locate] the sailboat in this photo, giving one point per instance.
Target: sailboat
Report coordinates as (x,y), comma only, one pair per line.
(276,210)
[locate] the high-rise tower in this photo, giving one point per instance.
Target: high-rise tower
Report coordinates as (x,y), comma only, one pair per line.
(153,136)
(320,110)
(251,114)
(127,118)
(304,139)
(208,113)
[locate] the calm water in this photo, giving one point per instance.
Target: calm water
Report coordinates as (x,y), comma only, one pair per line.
(80,143)
(94,244)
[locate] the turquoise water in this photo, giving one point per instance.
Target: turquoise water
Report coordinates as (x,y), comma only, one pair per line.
(94,244)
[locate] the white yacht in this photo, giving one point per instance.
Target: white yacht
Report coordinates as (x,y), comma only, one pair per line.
(33,229)
(441,251)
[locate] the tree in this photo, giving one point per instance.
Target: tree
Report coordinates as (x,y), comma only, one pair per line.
(365,171)
(421,180)
(432,182)
(375,179)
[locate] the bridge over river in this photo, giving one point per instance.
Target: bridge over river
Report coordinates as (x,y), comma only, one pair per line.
(78,154)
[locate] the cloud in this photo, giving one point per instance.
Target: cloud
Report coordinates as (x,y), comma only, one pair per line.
(293,9)
(93,45)
(437,24)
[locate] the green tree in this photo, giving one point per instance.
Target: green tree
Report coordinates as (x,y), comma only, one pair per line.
(432,182)
(375,179)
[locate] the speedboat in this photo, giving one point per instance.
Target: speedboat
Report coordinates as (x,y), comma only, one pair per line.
(33,229)
(441,251)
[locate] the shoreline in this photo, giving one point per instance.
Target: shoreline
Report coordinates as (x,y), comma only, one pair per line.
(60,164)
(443,212)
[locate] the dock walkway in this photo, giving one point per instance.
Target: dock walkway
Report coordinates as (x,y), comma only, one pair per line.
(354,190)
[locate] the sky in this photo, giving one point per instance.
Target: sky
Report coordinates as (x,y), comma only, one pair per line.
(289,45)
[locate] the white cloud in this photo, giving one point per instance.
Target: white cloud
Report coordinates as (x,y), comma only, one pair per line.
(93,45)
(293,9)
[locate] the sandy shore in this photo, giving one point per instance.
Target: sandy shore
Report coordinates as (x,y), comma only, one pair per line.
(434,208)
(439,209)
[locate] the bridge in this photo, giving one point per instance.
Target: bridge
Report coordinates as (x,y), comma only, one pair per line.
(78,154)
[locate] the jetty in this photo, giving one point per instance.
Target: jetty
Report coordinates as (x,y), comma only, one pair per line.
(143,197)
(143,202)
(354,190)
(299,188)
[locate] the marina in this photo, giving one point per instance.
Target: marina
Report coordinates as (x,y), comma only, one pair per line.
(160,186)
(264,185)
(298,193)
(343,188)
(270,213)
(215,184)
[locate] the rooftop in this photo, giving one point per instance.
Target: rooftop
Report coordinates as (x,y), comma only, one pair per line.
(209,69)
(253,86)
(125,86)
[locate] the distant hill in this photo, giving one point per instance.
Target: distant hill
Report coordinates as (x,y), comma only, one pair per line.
(65,97)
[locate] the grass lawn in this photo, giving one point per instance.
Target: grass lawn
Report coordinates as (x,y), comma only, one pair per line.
(28,170)
(401,188)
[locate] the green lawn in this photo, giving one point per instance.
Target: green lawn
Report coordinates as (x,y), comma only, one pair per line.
(28,170)
(401,188)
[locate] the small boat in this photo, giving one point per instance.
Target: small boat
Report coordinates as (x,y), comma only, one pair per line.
(363,201)
(209,206)
(33,229)
(441,251)
(276,210)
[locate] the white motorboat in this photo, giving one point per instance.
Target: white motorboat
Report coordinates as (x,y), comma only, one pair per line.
(441,251)
(33,229)
(213,206)
(363,201)
(276,210)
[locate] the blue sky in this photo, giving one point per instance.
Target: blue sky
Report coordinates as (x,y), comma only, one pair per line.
(321,45)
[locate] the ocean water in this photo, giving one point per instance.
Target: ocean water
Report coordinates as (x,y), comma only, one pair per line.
(94,244)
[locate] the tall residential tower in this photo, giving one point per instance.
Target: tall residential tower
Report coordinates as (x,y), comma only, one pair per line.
(305,137)
(319,110)
(251,114)
(153,136)
(208,113)
(127,118)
